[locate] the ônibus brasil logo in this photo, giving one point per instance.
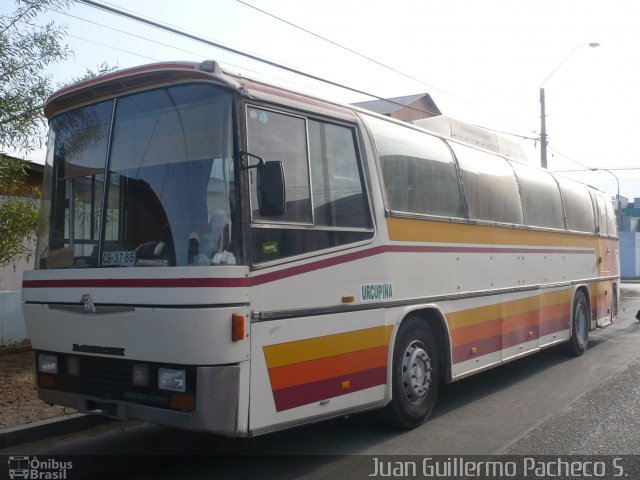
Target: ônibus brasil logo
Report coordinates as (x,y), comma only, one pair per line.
(33,468)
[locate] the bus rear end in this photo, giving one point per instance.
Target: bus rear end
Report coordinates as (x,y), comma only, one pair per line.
(139,303)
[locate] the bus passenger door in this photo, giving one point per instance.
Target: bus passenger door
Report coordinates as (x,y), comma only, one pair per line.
(606,266)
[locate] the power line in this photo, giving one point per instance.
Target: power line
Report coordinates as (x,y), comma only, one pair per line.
(505,133)
(615,169)
(350,50)
(571,159)
(114,48)
(178,31)
(157,42)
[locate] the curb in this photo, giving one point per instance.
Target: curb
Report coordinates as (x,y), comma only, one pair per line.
(52,427)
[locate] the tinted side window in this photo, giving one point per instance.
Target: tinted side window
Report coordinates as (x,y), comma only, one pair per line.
(612,226)
(326,200)
(338,197)
(418,170)
(602,214)
(276,136)
(540,197)
(577,205)
(489,185)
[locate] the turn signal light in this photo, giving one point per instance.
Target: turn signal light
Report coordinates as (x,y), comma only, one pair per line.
(237,327)
(183,402)
(46,381)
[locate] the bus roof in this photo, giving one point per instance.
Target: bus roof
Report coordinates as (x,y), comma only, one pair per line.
(453,129)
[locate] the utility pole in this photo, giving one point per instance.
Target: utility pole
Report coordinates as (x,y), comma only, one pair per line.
(543,131)
(543,116)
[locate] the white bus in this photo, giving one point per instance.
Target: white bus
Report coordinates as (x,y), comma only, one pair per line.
(223,255)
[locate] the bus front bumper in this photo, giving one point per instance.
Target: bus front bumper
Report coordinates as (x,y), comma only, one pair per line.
(216,404)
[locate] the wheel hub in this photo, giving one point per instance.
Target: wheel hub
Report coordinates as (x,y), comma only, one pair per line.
(416,372)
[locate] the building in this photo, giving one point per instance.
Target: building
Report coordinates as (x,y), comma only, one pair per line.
(630,238)
(12,325)
(408,108)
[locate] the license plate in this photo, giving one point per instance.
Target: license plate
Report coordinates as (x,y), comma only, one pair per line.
(118,259)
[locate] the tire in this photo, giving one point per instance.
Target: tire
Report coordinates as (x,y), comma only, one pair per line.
(580,322)
(415,375)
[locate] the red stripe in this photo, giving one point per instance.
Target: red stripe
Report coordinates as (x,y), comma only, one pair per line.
(138,283)
(305,394)
(554,325)
(279,274)
(483,347)
(516,337)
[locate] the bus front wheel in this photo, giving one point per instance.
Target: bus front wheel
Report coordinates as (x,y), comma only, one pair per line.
(415,375)
(579,326)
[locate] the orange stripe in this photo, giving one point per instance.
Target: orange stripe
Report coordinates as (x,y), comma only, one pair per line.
(522,320)
(474,333)
(498,327)
(324,368)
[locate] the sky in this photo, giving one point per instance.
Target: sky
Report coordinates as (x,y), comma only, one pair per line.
(482,61)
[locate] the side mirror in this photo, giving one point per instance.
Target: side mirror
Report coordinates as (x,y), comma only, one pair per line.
(271,189)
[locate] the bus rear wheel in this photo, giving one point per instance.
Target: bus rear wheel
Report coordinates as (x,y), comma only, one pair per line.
(581,319)
(415,375)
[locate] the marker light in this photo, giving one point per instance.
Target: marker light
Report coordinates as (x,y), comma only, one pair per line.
(237,327)
(141,375)
(47,363)
(169,379)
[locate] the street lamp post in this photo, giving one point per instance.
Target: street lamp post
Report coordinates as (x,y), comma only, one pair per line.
(618,210)
(543,116)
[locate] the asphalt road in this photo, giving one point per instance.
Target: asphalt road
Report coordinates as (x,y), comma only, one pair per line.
(547,403)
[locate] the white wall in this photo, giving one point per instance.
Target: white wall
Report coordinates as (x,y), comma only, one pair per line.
(630,254)
(12,325)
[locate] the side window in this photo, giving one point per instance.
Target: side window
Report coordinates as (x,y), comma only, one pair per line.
(612,226)
(338,196)
(326,200)
(602,214)
(418,170)
(606,215)
(577,205)
(276,136)
(489,185)
(540,197)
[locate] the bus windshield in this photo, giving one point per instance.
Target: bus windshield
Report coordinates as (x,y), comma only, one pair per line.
(146,179)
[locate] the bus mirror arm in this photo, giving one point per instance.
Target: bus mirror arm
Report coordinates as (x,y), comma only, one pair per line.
(258,165)
(271,189)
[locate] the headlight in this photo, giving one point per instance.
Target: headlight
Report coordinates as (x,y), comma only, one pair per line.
(141,375)
(47,363)
(169,379)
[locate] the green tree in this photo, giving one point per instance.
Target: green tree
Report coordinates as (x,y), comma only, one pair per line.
(26,49)
(18,211)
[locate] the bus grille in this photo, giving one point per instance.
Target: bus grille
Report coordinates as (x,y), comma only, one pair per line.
(112,379)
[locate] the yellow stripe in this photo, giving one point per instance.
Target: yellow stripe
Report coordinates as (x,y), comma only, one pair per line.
(320,347)
(477,315)
(417,230)
(555,298)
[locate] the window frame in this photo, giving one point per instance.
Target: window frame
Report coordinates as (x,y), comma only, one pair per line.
(481,221)
(594,213)
(359,150)
(391,212)
(516,165)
